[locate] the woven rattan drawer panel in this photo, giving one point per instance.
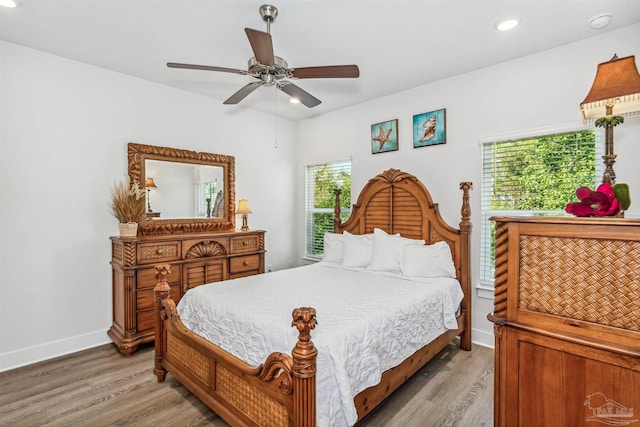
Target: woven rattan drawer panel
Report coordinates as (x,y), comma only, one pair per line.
(243,244)
(593,280)
(158,252)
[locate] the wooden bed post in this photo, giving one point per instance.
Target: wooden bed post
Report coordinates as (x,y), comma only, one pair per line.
(465,256)
(161,292)
(304,369)
(336,211)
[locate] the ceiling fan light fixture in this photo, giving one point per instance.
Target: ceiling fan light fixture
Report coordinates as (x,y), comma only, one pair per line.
(506,25)
(294,100)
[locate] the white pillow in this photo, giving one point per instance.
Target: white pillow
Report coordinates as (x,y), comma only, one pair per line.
(387,250)
(357,249)
(428,261)
(333,247)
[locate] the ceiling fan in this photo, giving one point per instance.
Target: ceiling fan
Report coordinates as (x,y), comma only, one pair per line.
(272,70)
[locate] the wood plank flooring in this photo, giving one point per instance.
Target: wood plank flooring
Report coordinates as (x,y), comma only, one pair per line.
(100,387)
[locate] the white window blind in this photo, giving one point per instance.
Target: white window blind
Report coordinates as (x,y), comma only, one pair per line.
(536,175)
(321,180)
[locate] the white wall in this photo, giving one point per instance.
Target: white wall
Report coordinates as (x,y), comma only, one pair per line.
(63,142)
(537,91)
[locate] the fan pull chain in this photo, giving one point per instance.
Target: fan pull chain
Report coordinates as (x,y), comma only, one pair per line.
(275,100)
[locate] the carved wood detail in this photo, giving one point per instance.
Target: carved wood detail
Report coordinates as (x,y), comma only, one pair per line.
(501,270)
(206,248)
(304,368)
(128,253)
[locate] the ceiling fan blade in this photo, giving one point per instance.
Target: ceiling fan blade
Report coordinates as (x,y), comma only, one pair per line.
(242,93)
(296,92)
(329,71)
(262,46)
(205,68)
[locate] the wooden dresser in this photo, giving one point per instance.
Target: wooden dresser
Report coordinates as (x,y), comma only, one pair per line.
(196,259)
(567,322)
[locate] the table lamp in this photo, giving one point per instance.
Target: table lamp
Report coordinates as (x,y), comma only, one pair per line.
(244,210)
(617,85)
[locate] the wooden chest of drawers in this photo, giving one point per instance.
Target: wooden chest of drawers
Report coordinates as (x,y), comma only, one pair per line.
(196,259)
(567,322)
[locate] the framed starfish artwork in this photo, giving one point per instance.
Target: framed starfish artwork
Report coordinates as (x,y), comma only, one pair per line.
(430,128)
(384,137)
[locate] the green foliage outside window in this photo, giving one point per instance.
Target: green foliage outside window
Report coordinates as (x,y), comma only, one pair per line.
(321,201)
(545,175)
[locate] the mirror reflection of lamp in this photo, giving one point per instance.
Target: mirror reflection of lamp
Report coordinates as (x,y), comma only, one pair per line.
(149,184)
(617,85)
(244,210)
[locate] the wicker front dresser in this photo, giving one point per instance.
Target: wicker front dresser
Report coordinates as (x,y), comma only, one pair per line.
(567,322)
(195,258)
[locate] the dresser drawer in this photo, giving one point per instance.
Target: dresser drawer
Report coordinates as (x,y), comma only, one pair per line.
(244,263)
(242,244)
(145,297)
(146,278)
(154,253)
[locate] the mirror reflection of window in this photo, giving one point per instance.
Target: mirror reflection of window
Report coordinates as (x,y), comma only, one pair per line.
(206,194)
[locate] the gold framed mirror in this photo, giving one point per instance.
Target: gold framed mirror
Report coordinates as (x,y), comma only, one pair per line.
(187,191)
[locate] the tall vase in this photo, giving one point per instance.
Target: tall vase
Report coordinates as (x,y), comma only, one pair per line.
(128,229)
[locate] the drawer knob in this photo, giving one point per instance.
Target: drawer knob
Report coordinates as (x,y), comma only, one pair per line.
(246,263)
(245,243)
(160,251)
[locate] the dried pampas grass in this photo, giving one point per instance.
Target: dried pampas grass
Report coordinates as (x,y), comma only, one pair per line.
(127,201)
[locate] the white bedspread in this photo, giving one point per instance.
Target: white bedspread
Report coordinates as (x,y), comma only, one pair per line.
(368,322)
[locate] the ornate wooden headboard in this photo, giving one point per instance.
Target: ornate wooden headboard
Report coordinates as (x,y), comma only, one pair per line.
(397,202)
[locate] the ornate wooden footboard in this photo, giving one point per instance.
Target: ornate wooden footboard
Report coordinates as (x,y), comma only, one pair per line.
(282,391)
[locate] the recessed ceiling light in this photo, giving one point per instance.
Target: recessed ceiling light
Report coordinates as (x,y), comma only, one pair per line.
(507,24)
(8,3)
(600,21)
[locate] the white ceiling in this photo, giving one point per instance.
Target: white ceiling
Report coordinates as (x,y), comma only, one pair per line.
(398,44)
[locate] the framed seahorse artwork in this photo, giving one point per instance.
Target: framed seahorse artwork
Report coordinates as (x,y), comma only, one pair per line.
(430,128)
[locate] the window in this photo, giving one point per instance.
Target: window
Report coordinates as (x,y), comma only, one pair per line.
(533,176)
(321,180)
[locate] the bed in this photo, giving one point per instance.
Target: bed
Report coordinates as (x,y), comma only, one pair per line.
(280,390)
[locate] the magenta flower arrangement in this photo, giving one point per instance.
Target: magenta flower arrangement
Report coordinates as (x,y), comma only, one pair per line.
(601,202)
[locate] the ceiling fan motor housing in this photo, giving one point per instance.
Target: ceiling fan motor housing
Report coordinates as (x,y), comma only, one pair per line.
(278,70)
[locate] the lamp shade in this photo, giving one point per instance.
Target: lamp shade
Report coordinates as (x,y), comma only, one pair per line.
(617,84)
(243,207)
(149,183)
